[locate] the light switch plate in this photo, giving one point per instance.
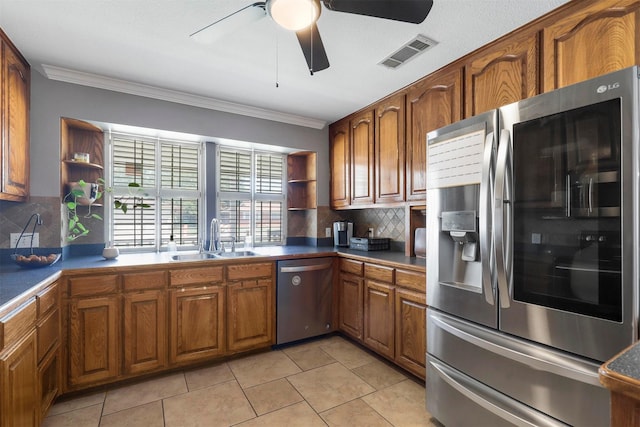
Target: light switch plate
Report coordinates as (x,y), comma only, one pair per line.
(25,242)
(327,232)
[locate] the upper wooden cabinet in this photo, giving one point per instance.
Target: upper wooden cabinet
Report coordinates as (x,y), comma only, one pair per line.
(15,83)
(433,102)
(591,40)
(389,150)
(501,74)
(339,149)
(362,155)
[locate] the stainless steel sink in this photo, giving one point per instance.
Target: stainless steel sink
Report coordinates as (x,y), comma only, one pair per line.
(193,257)
(236,254)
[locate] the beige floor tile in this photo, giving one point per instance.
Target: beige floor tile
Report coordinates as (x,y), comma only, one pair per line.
(379,374)
(85,417)
(148,391)
(298,415)
(149,415)
(308,357)
(354,413)
(72,404)
(271,396)
(262,368)
(220,405)
(206,377)
(347,353)
(402,404)
(329,386)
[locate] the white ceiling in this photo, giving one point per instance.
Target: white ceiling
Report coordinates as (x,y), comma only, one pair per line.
(143,47)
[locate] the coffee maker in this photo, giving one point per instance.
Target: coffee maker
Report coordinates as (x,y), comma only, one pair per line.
(342,233)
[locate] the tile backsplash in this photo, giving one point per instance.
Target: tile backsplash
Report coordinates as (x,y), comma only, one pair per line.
(14,216)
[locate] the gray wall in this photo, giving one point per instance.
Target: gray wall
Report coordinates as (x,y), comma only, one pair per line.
(51,100)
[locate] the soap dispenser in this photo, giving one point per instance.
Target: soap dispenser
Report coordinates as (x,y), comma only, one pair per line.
(172,247)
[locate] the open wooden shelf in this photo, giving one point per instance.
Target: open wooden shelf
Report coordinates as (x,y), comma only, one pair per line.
(301,180)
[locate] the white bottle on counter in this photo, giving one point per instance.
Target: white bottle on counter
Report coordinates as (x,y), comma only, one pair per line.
(171,246)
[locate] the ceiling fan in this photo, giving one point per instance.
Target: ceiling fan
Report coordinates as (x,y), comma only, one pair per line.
(301,16)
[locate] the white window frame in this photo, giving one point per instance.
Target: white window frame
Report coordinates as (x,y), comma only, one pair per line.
(157,193)
(253,196)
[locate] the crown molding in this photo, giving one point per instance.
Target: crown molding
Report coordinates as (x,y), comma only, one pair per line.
(102,82)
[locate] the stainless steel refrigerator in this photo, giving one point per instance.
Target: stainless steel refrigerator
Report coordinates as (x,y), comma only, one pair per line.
(533,226)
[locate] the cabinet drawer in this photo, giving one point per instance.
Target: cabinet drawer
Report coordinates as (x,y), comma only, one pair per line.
(47,300)
(93,285)
(379,273)
(142,281)
(351,266)
(412,280)
(16,323)
(249,271)
(189,276)
(48,333)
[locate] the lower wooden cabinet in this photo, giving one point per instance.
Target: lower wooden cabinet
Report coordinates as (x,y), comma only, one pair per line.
(378,317)
(410,330)
(18,398)
(48,382)
(250,314)
(350,290)
(145,331)
(94,340)
(197,323)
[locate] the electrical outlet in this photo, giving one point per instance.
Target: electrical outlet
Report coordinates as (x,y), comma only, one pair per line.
(370,232)
(25,242)
(327,232)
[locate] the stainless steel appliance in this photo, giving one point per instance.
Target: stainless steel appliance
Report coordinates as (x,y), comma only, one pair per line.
(304,295)
(532,255)
(342,233)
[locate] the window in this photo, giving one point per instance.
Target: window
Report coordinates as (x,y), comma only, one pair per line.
(251,198)
(170,175)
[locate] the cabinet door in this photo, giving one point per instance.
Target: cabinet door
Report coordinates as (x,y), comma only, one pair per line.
(378,317)
(18,398)
(433,102)
(250,314)
(411,331)
(340,164)
(350,300)
(15,125)
(48,382)
(502,74)
(94,347)
(145,335)
(389,150)
(595,40)
(197,324)
(362,158)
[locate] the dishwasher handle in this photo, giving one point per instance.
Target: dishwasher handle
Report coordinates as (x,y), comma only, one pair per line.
(303,268)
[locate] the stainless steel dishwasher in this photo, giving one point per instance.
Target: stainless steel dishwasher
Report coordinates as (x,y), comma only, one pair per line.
(304,295)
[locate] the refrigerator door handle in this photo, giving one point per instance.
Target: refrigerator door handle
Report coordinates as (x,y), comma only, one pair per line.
(502,214)
(486,218)
(508,409)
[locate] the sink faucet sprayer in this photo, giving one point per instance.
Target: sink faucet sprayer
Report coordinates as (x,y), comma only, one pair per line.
(214,235)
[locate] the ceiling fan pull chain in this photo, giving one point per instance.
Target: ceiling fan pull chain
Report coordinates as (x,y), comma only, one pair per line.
(277,54)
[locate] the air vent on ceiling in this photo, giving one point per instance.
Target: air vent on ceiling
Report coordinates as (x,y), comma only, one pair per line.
(408,51)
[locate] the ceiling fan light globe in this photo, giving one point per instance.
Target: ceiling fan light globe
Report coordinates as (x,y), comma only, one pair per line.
(294,15)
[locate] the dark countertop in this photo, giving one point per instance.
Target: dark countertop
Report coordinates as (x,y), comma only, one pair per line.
(621,374)
(15,280)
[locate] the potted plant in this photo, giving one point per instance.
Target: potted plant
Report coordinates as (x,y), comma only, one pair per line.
(82,193)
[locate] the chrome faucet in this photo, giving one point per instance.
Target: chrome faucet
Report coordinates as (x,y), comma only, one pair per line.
(214,235)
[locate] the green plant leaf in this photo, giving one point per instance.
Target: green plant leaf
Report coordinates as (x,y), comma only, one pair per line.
(77,192)
(96,216)
(100,181)
(82,183)
(124,208)
(134,184)
(71,205)
(72,224)
(117,204)
(82,227)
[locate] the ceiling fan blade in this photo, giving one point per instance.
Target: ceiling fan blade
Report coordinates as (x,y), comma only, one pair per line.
(312,48)
(230,23)
(414,11)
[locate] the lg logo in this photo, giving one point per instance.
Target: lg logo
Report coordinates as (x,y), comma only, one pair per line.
(604,88)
